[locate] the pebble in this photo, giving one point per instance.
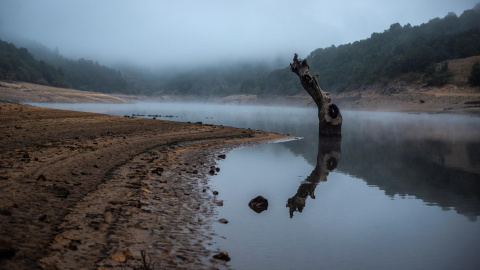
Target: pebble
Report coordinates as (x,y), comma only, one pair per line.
(223,221)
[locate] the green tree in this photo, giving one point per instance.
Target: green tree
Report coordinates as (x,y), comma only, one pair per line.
(18,64)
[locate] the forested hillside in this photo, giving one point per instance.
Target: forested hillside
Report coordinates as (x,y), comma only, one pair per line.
(83,74)
(401,52)
(215,81)
(19,64)
(406,53)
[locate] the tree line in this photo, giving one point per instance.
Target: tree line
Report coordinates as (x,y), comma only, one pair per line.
(407,53)
(83,74)
(18,64)
(401,52)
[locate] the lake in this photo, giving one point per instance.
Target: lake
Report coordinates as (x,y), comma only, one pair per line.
(398,191)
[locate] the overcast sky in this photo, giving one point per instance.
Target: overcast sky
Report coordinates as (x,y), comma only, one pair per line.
(182,33)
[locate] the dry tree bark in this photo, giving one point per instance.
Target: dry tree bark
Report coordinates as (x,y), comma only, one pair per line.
(329,116)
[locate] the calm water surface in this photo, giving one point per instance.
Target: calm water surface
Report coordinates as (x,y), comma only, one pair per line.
(398,191)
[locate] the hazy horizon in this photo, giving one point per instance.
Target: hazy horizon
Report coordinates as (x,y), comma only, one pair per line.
(175,35)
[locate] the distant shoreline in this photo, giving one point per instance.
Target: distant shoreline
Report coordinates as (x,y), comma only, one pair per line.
(394,97)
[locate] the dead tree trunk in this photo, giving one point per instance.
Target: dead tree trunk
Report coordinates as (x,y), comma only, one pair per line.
(329,116)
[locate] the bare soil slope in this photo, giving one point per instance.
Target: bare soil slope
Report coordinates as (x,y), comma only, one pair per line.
(29,92)
(412,98)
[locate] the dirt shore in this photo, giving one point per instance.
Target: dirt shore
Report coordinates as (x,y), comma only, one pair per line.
(412,98)
(397,96)
(93,191)
(29,92)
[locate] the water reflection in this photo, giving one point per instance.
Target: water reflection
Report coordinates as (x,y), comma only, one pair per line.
(430,157)
(328,157)
(435,158)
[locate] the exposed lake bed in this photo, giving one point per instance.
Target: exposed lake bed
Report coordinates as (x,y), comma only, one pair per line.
(405,187)
(94,190)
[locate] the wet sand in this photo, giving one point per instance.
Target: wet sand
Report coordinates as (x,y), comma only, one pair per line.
(93,191)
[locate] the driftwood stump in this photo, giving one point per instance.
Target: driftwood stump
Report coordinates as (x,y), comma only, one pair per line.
(329,116)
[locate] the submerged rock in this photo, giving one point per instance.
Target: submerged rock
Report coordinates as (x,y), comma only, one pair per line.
(258,204)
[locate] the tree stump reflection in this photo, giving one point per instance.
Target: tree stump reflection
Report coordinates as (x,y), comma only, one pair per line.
(328,157)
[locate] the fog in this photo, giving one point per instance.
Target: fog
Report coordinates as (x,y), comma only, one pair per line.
(174,34)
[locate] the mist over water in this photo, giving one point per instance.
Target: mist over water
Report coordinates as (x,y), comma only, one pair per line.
(398,191)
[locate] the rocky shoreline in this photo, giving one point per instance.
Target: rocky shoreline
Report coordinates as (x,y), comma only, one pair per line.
(93,191)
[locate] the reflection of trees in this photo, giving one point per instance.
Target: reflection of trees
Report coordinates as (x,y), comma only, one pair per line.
(328,157)
(418,168)
(405,158)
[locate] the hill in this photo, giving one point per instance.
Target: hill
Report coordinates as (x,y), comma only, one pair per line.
(407,53)
(19,64)
(418,56)
(81,74)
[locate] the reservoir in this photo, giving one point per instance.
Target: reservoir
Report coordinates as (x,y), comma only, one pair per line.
(397,191)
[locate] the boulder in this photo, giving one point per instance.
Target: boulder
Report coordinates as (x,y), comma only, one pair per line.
(222,256)
(258,204)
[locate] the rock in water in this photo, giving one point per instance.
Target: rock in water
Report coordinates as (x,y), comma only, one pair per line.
(258,204)
(222,256)
(223,221)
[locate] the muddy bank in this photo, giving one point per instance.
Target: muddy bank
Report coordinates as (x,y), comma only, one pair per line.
(83,190)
